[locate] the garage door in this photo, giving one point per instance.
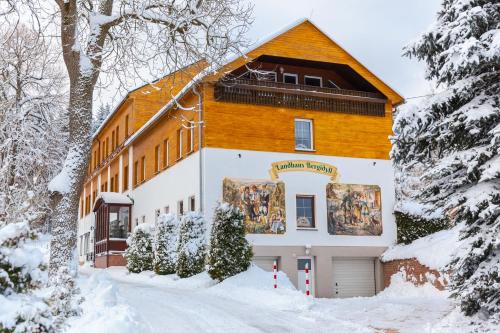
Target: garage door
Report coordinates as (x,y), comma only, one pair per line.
(266,263)
(353,277)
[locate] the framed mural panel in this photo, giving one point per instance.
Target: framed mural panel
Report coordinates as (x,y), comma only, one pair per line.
(354,210)
(261,201)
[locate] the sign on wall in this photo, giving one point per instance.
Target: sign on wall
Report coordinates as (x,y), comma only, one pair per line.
(354,210)
(303,165)
(261,201)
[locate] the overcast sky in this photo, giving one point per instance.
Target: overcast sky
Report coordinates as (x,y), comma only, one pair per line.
(373,31)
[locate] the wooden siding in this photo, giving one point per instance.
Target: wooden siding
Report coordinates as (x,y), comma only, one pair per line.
(265,128)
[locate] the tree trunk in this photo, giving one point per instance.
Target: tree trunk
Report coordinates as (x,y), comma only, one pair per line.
(65,216)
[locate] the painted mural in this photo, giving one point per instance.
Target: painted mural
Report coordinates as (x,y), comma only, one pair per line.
(354,210)
(261,201)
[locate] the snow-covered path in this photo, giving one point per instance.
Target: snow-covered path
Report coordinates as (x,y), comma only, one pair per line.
(146,303)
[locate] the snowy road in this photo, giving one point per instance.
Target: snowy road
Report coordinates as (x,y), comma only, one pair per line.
(147,303)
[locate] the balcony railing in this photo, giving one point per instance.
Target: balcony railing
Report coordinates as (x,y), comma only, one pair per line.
(300,96)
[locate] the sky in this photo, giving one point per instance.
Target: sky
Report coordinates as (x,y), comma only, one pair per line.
(373,31)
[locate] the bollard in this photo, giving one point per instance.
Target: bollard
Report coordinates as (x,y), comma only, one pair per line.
(275,269)
(308,292)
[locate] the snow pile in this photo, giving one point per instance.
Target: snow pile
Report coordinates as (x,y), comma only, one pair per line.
(400,287)
(104,310)
(255,286)
(434,251)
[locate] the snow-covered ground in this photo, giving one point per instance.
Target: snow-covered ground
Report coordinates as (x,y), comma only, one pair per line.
(120,302)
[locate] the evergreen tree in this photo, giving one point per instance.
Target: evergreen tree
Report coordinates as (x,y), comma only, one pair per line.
(454,138)
(139,253)
(23,271)
(102,113)
(165,242)
(229,252)
(192,245)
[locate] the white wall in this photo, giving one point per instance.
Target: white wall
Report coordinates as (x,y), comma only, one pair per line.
(178,182)
(221,163)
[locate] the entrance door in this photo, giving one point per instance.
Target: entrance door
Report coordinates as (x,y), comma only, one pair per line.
(353,277)
(301,273)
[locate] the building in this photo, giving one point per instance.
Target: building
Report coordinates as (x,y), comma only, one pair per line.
(296,134)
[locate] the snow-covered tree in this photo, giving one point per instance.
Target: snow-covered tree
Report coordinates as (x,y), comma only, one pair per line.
(165,243)
(139,253)
(454,139)
(229,252)
(22,271)
(145,38)
(102,113)
(191,250)
(32,124)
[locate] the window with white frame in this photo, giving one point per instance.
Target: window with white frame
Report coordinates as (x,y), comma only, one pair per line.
(303,134)
(180,207)
(305,211)
(143,219)
(290,78)
(192,203)
(166,209)
(316,81)
(157,215)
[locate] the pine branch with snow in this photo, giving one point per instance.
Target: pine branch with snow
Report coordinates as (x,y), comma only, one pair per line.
(229,252)
(454,139)
(165,243)
(139,253)
(191,250)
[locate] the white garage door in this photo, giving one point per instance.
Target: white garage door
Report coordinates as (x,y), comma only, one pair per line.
(353,277)
(266,263)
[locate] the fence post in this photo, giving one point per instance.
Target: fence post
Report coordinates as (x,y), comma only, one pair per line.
(275,277)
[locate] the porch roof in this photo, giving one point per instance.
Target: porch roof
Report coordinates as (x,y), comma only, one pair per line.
(112,198)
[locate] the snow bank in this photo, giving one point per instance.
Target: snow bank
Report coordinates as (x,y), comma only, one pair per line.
(255,286)
(401,287)
(104,310)
(434,251)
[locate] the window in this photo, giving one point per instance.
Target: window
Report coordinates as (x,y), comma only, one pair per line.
(143,168)
(305,211)
(117,134)
(166,209)
(118,221)
(166,154)
(136,221)
(136,172)
(290,78)
(266,76)
(192,201)
(179,143)
(157,159)
(143,219)
(125,178)
(190,137)
(112,185)
(303,134)
(313,81)
(116,184)
(126,126)
(113,141)
(107,146)
(180,207)
(157,215)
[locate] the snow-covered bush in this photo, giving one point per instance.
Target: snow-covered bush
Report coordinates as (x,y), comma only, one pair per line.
(139,253)
(411,227)
(454,138)
(22,274)
(229,252)
(191,250)
(165,242)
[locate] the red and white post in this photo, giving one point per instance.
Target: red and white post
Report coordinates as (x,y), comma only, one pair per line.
(308,290)
(275,276)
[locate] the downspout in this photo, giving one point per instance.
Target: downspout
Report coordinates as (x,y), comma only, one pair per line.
(200,142)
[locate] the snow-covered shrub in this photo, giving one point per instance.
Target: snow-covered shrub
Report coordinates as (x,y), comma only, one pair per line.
(411,227)
(191,250)
(229,252)
(454,138)
(22,274)
(165,242)
(65,299)
(139,253)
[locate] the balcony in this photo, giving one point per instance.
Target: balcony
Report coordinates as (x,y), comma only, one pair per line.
(298,96)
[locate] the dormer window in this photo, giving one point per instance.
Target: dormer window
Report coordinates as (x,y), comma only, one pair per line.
(290,78)
(316,81)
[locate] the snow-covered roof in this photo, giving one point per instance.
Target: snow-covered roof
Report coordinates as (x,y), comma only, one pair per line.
(114,198)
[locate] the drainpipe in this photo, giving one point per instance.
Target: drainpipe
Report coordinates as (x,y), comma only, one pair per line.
(200,141)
